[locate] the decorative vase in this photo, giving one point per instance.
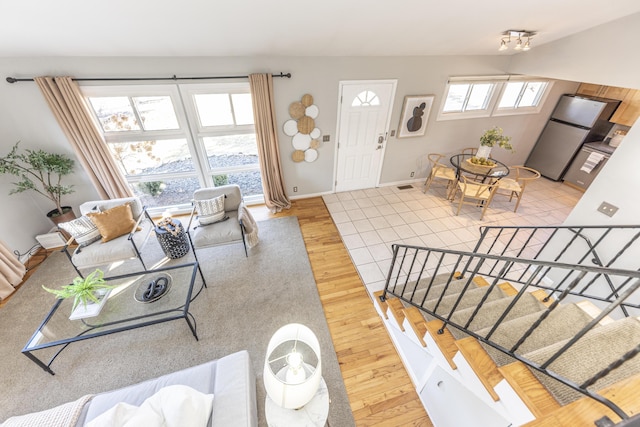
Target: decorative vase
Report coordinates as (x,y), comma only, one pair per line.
(483,151)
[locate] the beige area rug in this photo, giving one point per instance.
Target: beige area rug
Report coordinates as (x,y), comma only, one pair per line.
(248,299)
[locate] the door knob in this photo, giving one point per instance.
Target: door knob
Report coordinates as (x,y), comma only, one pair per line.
(380,139)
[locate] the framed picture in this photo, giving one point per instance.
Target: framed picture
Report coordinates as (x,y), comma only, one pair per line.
(415,114)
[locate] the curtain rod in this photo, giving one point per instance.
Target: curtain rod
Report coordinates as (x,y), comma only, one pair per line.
(174,77)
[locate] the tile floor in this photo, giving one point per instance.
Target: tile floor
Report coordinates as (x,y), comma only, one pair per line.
(369,221)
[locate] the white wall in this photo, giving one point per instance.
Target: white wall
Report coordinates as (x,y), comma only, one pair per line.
(25,116)
(606,54)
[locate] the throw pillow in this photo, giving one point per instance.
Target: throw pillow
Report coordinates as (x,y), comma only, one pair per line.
(210,210)
(82,229)
(114,222)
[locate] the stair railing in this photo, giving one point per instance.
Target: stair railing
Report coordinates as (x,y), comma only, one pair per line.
(570,244)
(424,278)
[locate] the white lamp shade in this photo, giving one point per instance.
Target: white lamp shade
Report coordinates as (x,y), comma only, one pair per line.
(292,338)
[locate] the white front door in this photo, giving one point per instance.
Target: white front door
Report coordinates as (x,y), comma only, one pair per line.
(364,115)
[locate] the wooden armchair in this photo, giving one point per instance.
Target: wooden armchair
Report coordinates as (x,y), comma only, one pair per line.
(440,171)
(516,182)
(474,193)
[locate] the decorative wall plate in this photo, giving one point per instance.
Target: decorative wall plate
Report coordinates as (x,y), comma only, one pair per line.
(310,155)
(315,133)
(301,141)
(290,127)
(311,111)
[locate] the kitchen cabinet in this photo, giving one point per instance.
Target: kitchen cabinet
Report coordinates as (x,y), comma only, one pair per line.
(602,91)
(629,109)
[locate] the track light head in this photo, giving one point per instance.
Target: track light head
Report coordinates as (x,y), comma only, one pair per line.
(518,35)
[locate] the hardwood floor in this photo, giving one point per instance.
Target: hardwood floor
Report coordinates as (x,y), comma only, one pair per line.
(379,388)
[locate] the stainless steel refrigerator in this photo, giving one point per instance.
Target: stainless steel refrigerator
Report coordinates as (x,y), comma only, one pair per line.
(574,121)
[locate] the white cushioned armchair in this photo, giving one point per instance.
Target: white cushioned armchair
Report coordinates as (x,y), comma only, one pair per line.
(216,222)
(124,247)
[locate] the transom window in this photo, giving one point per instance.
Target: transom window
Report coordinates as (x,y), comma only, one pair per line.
(169,140)
(366,99)
(524,94)
(468,97)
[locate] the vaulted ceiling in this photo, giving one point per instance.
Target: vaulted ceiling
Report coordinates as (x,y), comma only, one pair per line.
(289,28)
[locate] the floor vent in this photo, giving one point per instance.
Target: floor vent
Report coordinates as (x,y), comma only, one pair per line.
(405,187)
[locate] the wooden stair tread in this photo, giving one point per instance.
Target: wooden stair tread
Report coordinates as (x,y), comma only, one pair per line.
(583,412)
(537,398)
(382,304)
(445,341)
(540,294)
(415,319)
(594,311)
(481,363)
(397,310)
(506,287)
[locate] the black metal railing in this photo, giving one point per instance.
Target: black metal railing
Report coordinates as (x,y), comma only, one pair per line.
(564,268)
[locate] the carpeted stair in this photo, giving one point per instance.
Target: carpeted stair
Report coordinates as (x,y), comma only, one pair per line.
(595,351)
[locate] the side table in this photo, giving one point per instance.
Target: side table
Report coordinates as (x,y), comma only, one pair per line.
(313,414)
(172,238)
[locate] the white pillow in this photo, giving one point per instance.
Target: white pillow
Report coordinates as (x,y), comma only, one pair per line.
(210,210)
(171,406)
(82,229)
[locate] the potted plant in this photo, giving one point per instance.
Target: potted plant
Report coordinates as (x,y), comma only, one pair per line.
(491,138)
(41,172)
(84,290)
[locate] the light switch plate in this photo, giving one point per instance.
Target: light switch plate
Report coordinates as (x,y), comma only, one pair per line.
(607,209)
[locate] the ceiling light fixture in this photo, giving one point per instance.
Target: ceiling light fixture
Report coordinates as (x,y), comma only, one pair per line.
(518,35)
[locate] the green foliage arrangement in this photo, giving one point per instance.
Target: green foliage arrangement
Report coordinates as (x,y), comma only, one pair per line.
(82,290)
(39,171)
(153,188)
(219,180)
(494,136)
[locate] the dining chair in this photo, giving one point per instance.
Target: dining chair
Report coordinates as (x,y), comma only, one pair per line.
(515,183)
(469,150)
(440,171)
(474,193)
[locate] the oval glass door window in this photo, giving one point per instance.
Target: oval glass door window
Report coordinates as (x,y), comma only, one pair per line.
(310,155)
(301,141)
(290,127)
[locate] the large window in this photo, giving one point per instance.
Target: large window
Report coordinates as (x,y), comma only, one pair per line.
(469,97)
(169,140)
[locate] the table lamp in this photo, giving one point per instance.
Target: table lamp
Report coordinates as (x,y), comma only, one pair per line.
(292,367)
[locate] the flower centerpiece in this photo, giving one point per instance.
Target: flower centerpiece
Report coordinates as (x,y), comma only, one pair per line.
(491,138)
(87,290)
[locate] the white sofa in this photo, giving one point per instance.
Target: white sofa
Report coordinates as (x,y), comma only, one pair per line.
(230,379)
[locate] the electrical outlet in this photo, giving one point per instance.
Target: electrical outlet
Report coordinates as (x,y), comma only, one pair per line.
(607,209)
(393,132)
(412,173)
(326,138)
(295,189)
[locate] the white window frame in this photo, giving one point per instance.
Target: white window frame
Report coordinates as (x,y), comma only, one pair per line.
(493,97)
(190,130)
(510,111)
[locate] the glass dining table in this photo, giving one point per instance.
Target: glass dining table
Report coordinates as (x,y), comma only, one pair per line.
(462,163)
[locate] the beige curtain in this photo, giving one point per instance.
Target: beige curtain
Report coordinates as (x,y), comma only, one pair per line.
(68,105)
(11,271)
(267,136)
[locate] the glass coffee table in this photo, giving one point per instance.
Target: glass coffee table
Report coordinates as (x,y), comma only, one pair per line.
(134,303)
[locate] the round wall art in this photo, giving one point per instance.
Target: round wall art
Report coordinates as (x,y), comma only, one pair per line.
(305,136)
